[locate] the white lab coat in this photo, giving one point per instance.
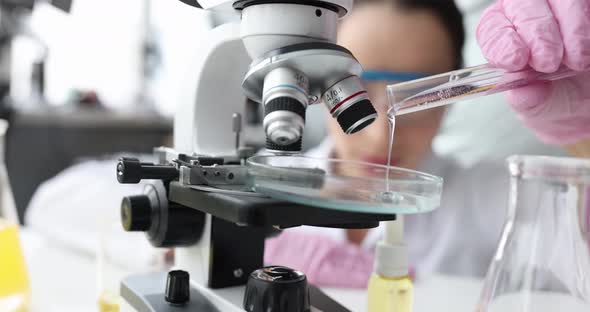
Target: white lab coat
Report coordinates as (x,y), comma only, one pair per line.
(461,236)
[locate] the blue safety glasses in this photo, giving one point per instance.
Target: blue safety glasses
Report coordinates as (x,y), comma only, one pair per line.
(383,75)
(376,81)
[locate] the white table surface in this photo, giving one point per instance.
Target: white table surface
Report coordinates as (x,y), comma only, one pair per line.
(63,280)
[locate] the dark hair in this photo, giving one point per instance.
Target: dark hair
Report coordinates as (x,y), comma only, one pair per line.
(445,10)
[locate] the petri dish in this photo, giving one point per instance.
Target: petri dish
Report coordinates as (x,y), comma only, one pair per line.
(344,185)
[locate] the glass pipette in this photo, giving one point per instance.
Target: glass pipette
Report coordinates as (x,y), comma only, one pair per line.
(464,84)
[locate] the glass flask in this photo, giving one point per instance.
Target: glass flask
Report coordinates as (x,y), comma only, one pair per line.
(15,290)
(543,259)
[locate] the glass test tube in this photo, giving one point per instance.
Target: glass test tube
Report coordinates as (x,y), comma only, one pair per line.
(464,84)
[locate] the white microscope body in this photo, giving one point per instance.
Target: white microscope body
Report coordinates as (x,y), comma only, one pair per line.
(315,70)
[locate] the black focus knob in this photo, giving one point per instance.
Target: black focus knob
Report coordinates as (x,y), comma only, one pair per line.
(128,170)
(277,289)
(136,213)
(178,287)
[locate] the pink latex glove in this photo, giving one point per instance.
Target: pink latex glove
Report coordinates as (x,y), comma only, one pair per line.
(326,262)
(543,34)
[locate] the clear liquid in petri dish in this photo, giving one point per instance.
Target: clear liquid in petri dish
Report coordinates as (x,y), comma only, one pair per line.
(389,197)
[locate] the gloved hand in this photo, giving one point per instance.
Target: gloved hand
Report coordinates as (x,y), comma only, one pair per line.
(326,262)
(543,34)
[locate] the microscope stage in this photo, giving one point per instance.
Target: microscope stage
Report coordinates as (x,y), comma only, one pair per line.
(263,211)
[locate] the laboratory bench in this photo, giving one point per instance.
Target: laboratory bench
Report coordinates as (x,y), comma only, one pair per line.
(42,142)
(64,280)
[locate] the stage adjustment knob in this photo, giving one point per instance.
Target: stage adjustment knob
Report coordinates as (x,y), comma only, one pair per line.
(178,287)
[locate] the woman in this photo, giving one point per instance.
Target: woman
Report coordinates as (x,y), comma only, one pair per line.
(389,37)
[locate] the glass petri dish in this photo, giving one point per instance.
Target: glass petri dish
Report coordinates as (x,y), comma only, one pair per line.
(344,185)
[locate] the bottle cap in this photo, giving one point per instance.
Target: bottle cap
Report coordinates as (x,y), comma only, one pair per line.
(391,260)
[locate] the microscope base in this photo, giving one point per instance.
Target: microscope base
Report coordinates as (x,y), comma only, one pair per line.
(145,293)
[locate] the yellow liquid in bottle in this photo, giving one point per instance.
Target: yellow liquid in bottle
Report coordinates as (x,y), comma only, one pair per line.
(14,281)
(108,302)
(390,294)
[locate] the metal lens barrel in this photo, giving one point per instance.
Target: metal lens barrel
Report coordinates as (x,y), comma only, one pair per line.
(349,103)
(285,99)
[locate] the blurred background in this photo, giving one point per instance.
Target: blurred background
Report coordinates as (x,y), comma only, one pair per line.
(96,80)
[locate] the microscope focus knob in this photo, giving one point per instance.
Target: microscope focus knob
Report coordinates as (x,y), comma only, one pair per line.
(131,170)
(136,213)
(277,289)
(178,287)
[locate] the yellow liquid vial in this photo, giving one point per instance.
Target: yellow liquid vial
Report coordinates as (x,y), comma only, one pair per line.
(14,281)
(390,294)
(108,302)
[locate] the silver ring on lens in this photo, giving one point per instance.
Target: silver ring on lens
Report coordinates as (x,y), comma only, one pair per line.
(285,98)
(348,102)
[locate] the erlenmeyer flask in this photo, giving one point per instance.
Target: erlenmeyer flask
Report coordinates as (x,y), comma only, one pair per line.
(543,259)
(14,282)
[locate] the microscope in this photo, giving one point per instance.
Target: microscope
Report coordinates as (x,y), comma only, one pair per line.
(281,54)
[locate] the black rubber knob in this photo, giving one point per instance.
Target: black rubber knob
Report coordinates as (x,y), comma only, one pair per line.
(129,170)
(277,289)
(178,287)
(136,213)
